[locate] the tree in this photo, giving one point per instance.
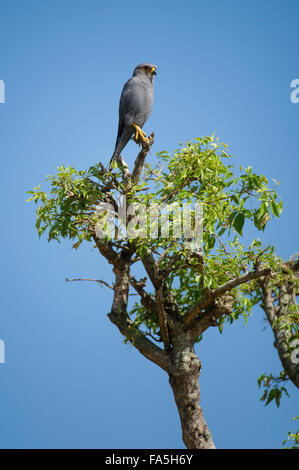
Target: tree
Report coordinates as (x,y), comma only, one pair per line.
(195,278)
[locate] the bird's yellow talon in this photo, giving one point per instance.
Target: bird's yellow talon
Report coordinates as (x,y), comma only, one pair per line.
(141,133)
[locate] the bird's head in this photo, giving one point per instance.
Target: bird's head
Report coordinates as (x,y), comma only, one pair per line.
(145,69)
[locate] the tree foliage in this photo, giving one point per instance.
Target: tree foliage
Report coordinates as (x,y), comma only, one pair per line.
(199,172)
(188,287)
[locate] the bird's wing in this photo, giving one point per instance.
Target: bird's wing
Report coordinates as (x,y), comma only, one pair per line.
(130,104)
(131,100)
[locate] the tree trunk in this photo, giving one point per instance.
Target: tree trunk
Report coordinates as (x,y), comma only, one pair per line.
(183,378)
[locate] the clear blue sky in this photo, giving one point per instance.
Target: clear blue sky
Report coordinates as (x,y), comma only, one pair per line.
(224,67)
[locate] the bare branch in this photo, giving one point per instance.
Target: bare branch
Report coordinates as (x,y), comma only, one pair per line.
(219,240)
(139,162)
(99,281)
(131,179)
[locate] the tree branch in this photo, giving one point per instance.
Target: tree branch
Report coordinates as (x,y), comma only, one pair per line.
(120,318)
(211,295)
(146,347)
(151,268)
(106,250)
(99,281)
(131,179)
(219,240)
(162,318)
(212,314)
(280,317)
(146,299)
(139,162)
(124,169)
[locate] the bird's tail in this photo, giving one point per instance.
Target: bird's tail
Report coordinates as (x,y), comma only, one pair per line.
(114,157)
(121,142)
(115,153)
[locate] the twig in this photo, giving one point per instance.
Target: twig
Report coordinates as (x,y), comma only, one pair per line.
(211,153)
(256,263)
(173,193)
(218,238)
(99,281)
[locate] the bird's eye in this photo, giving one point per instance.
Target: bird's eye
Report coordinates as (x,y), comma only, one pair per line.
(146,68)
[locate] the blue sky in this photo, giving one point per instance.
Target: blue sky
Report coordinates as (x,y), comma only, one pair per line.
(224,67)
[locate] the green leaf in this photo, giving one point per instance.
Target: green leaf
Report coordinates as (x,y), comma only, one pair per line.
(231,217)
(275,209)
(239,222)
(211,242)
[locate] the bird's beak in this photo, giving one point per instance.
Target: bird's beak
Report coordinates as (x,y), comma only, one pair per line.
(153,71)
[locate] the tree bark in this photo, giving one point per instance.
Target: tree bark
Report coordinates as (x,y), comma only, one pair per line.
(281,331)
(184,381)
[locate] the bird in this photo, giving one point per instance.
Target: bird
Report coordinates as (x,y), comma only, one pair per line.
(135,106)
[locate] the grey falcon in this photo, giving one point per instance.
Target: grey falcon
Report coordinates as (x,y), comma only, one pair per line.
(135,106)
